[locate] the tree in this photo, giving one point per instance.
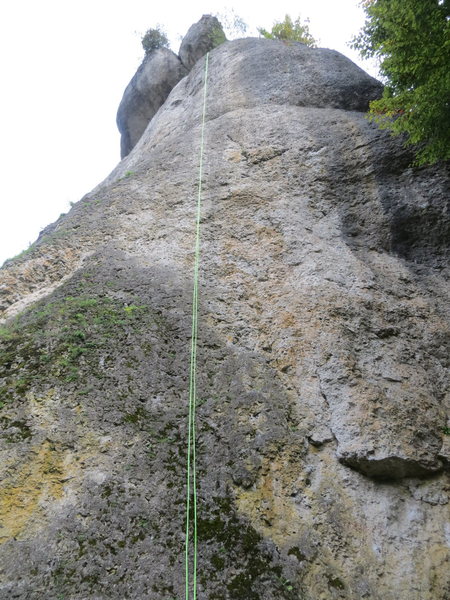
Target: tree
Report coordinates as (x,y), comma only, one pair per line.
(290,30)
(410,38)
(154,39)
(233,25)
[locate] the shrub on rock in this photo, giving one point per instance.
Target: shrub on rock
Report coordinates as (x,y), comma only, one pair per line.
(154,39)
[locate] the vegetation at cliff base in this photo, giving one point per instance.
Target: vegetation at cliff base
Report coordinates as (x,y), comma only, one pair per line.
(411,40)
(289,30)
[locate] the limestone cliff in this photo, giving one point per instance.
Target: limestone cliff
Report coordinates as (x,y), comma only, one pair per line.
(157,75)
(323,444)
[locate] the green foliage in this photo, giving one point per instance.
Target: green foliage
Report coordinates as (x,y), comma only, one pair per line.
(410,38)
(233,25)
(218,36)
(62,341)
(154,39)
(289,30)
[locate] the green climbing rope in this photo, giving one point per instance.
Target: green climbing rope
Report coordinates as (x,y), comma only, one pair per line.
(191,483)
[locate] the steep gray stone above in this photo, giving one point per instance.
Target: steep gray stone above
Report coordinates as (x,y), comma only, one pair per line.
(159,72)
(255,71)
(323,451)
(201,37)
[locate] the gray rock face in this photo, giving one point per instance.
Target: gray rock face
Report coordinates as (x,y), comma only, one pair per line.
(323,462)
(274,72)
(159,72)
(200,39)
(302,77)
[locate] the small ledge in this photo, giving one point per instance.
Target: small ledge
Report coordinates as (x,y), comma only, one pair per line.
(391,468)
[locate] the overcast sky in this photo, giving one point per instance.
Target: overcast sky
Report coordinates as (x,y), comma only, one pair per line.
(65,65)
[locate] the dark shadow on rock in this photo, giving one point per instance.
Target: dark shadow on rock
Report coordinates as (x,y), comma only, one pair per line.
(109,352)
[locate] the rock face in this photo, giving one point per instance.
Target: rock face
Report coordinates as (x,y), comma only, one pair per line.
(200,39)
(159,72)
(323,458)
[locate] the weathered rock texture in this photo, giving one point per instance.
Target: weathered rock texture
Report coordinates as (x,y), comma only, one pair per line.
(147,91)
(323,348)
(158,74)
(200,39)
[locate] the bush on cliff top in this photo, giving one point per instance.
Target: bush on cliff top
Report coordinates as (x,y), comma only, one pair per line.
(154,39)
(289,30)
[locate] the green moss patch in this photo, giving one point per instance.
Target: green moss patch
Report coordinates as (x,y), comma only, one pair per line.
(62,340)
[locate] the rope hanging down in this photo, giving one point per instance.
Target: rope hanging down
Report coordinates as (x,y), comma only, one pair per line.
(191,483)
